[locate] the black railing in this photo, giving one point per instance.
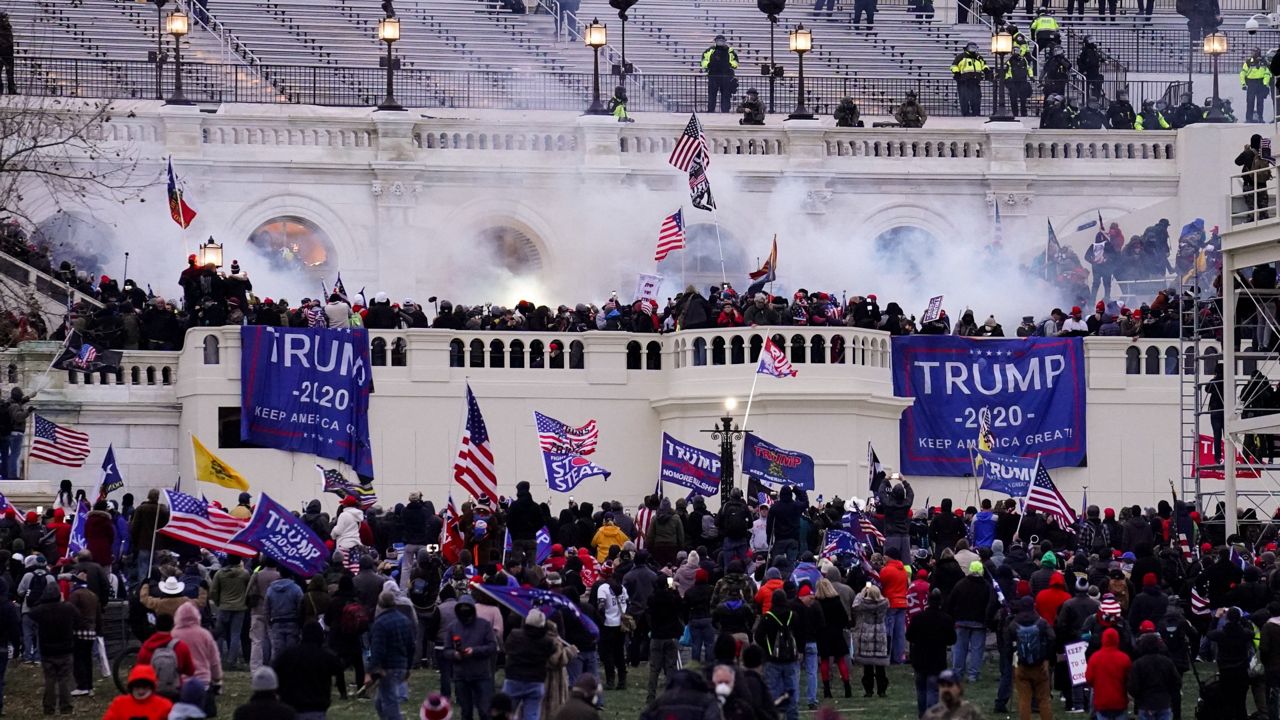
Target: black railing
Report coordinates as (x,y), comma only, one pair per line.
(1165,51)
(500,90)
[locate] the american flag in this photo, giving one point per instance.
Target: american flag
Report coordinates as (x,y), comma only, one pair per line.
(1044,496)
(839,542)
(335,482)
(1184,545)
(56,444)
(193,520)
(670,235)
(1199,603)
(691,146)
(556,437)
(700,188)
(474,469)
(1052,250)
(85,356)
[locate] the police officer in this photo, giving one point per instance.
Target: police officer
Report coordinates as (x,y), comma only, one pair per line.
(1120,115)
(1150,118)
(1089,62)
(1045,29)
(910,114)
(618,104)
(752,109)
(720,61)
(1186,113)
(1057,71)
(1019,73)
(1054,116)
(1255,80)
(847,114)
(969,69)
(1091,117)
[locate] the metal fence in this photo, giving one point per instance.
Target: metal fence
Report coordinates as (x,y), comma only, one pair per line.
(1166,51)
(364,87)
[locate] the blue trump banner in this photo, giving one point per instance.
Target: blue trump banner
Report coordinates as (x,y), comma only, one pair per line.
(543,543)
(307,390)
(690,467)
(520,600)
(769,463)
(1005,474)
(77,541)
(1033,389)
(277,534)
(566,470)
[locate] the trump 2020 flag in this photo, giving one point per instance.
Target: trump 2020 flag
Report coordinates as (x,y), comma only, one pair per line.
(566,470)
(112,480)
(543,541)
(773,361)
(276,533)
(1006,474)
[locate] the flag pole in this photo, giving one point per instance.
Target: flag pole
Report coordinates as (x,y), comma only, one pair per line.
(751,396)
(1035,471)
(715,215)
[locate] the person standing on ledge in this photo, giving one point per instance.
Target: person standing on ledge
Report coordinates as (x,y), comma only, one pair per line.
(720,61)
(969,69)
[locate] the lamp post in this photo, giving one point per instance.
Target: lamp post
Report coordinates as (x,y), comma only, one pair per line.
(1215,44)
(389,33)
(801,42)
(210,253)
(178,24)
(595,36)
(1001,46)
(158,55)
(771,70)
(624,68)
(726,432)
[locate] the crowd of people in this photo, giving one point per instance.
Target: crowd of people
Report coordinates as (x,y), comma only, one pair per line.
(774,614)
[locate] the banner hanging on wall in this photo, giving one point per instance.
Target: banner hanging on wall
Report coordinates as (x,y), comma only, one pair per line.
(1033,389)
(307,390)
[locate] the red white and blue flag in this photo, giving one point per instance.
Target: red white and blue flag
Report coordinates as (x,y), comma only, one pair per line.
(670,235)
(58,445)
(474,469)
(556,437)
(691,146)
(193,520)
(179,210)
(1044,496)
(773,361)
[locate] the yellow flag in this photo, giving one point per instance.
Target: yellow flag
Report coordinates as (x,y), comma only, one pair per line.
(212,470)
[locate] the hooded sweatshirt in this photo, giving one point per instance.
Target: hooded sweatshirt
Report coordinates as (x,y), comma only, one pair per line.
(200,644)
(1051,599)
(125,707)
(984,530)
(1108,674)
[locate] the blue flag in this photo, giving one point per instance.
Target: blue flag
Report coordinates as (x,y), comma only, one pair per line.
(506,545)
(1238,560)
(277,534)
(772,464)
(566,470)
(806,572)
(521,600)
(543,540)
(839,542)
(1006,474)
(112,480)
(688,466)
(77,542)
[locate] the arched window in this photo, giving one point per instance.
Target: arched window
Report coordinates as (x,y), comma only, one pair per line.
(456,353)
(11,373)
(1171,361)
(166,376)
(818,349)
(496,353)
(557,355)
(757,343)
(151,376)
(399,352)
(378,352)
(135,375)
(517,354)
(837,350)
(1132,361)
(577,355)
(536,358)
(798,353)
(653,355)
(906,250)
(699,351)
(477,353)
(737,351)
(211,353)
(633,355)
(1152,365)
(296,245)
(717,351)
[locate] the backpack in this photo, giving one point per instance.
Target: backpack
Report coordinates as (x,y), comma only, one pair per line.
(737,521)
(1029,647)
(164,661)
(354,619)
(35,590)
(785,652)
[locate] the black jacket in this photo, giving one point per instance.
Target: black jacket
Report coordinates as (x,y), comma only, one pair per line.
(1154,681)
(1120,115)
(930,634)
(524,518)
(307,672)
(528,650)
(969,600)
(1150,604)
(413,521)
(686,698)
(264,706)
(664,613)
(1234,640)
(896,510)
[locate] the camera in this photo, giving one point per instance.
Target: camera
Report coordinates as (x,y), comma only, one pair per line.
(1251,26)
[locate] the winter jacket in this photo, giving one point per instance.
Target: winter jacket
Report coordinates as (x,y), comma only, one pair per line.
(686,698)
(606,537)
(100,536)
(1235,641)
(414,521)
(895,505)
(391,642)
(200,643)
(870,640)
(307,673)
(283,601)
(346,531)
(1150,604)
(1269,648)
(893,577)
(1052,598)
(984,529)
(56,621)
(666,530)
(125,707)
(1108,674)
(186,666)
(264,706)
(664,614)
(478,638)
(146,518)
(772,626)
(764,596)
(834,620)
(1154,682)
(783,522)
(970,600)
(528,649)
(931,632)
(229,587)
(169,604)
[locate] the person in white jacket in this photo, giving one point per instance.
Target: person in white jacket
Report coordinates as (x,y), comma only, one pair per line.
(346,530)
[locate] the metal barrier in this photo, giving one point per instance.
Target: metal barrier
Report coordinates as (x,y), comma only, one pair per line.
(1249,201)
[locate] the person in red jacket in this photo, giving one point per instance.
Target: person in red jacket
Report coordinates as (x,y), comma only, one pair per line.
(140,702)
(894,579)
(1049,600)
(162,637)
(1108,675)
(61,530)
(100,534)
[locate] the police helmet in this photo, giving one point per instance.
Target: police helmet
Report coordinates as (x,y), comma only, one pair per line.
(720,38)
(911,94)
(971,47)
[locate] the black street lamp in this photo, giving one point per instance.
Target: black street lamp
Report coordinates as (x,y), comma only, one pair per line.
(1001,46)
(726,432)
(624,68)
(1215,44)
(595,36)
(801,42)
(389,33)
(177,25)
(158,56)
(771,70)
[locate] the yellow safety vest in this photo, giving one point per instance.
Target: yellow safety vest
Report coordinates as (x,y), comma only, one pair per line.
(965,64)
(1045,23)
(1255,72)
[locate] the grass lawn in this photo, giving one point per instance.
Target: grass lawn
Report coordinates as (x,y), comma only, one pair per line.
(24,685)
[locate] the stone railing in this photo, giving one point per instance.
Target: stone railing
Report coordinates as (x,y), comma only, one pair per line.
(1108,145)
